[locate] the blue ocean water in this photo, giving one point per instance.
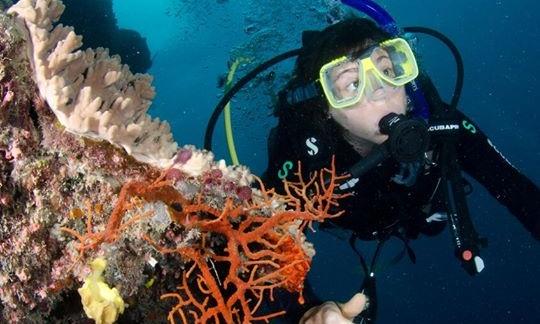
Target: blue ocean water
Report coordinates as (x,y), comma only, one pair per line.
(192,42)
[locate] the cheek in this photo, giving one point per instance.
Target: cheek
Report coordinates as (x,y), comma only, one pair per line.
(355,120)
(398,103)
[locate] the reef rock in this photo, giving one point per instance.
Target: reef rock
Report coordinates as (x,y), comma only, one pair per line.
(86,174)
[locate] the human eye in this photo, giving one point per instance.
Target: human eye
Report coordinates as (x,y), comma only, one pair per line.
(348,81)
(389,72)
(353,86)
(384,65)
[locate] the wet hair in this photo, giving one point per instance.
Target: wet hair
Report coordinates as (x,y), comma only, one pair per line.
(318,48)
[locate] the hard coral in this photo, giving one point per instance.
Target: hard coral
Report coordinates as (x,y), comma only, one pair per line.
(91,93)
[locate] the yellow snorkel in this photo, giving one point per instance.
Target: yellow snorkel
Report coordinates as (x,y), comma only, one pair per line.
(227,116)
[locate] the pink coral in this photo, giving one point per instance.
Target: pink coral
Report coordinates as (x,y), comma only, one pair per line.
(183,156)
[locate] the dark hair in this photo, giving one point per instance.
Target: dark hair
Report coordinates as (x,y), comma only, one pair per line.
(318,48)
(342,38)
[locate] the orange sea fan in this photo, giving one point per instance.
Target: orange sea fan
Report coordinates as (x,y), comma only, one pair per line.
(261,245)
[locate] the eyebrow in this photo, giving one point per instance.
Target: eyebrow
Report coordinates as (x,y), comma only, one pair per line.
(344,71)
(379,59)
(382,57)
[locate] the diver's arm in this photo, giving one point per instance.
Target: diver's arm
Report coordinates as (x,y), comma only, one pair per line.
(479,158)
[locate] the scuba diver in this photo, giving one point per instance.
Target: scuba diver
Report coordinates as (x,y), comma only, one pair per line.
(357,74)
(347,99)
(358,96)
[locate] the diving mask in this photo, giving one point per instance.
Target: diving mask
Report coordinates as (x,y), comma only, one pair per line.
(379,69)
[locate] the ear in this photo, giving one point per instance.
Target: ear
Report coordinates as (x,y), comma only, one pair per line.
(309,36)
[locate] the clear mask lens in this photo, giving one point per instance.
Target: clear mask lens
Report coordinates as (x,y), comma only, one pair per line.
(377,88)
(375,74)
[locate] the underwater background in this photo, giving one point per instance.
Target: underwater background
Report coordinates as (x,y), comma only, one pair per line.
(192,42)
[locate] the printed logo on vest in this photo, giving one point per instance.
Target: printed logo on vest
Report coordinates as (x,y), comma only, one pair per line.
(310,143)
(468,126)
(284,172)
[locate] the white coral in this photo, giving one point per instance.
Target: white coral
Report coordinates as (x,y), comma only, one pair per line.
(201,161)
(91,93)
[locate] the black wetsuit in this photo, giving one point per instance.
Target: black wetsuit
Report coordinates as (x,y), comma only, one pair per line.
(379,204)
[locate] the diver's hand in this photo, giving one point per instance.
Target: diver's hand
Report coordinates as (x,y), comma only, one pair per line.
(335,313)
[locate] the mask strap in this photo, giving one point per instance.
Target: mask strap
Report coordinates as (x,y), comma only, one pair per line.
(303,93)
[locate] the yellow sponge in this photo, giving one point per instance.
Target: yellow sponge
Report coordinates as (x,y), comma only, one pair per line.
(100,302)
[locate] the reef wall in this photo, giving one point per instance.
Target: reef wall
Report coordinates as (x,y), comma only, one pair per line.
(103,216)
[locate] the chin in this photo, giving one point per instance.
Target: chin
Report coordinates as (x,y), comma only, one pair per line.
(379,139)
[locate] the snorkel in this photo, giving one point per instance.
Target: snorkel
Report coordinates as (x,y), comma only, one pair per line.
(377,13)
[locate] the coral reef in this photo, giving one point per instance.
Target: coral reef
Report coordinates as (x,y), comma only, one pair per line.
(91,93)
(101,302)
(95,20)
(257,242)
(86,175)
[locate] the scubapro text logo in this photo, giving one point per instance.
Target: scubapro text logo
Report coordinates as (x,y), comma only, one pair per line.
(443,127)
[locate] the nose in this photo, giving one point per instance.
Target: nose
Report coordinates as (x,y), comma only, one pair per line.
(375,88)
(378,94)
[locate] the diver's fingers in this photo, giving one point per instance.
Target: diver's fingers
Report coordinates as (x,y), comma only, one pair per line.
(354,306)
(327,313)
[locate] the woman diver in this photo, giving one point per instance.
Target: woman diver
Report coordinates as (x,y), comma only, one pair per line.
(358,96)
(347,100)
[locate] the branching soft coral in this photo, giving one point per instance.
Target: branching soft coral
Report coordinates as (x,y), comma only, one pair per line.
(262,244)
